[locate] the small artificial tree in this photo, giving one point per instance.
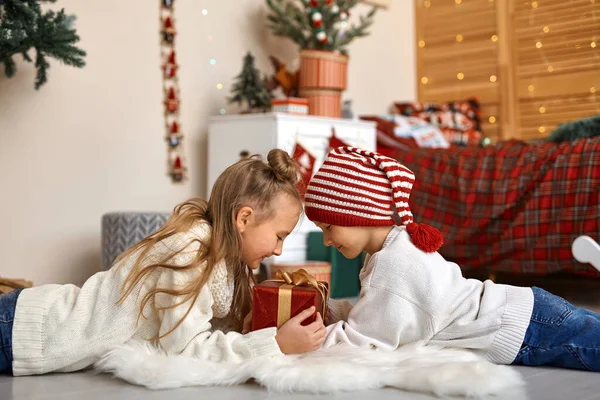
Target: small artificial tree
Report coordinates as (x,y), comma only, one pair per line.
(249,87)
(23,26)
(318,24)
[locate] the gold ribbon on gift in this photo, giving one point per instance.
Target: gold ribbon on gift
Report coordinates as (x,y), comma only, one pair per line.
(296,278)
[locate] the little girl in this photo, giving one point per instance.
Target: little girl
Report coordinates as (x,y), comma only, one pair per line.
(410,293)
(185,287)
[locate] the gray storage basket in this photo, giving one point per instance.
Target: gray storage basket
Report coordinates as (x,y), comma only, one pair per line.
(121,230)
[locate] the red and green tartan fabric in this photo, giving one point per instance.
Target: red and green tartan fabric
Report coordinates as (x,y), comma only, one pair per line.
(513,207)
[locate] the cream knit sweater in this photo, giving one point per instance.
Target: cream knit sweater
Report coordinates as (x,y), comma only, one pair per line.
(66,328)
(408,295)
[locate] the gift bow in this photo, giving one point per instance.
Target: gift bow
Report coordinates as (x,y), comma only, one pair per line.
(297,278)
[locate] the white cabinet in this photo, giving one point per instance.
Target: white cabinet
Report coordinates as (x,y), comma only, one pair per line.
(259,133)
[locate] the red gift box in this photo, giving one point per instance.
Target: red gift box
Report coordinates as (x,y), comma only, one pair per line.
(275,301)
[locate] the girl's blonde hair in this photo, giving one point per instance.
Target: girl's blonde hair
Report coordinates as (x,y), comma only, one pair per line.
(250,182)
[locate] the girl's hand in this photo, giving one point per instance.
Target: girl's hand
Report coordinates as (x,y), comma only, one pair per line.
(247,326)
(293,338)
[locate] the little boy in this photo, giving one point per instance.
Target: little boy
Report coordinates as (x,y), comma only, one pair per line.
(409,292)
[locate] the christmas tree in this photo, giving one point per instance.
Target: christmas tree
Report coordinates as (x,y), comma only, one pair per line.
(250,87)
(318,24)
(23,26)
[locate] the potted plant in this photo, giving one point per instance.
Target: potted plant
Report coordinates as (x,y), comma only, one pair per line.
(322,30)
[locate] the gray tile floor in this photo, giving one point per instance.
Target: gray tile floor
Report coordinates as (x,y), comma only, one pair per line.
(542,384)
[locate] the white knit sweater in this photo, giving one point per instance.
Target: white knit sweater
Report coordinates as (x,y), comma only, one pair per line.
(65,328)
(408,295)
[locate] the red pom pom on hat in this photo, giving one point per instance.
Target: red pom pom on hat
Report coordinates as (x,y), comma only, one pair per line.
(425,237)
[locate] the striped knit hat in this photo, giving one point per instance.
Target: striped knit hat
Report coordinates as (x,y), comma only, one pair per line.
(355,187)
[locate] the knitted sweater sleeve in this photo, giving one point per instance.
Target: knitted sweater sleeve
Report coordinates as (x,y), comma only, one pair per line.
(380,319)
(387,314)
(194,335)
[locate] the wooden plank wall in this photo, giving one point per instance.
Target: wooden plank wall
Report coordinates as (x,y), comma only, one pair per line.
(532,64)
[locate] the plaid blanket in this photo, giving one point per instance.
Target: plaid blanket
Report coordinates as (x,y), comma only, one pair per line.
(513,207)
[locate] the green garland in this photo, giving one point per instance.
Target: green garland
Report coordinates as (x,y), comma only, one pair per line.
(23,26)
(318,24)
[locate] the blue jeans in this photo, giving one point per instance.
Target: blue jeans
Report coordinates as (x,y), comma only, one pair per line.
(560,335)
(8,304)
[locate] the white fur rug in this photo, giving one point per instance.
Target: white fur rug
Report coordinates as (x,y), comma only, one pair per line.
(443,372)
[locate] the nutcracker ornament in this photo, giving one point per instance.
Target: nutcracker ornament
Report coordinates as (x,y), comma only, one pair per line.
(174,138)
(170,67)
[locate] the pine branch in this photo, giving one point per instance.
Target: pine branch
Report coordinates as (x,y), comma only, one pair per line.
(42,67)
(334,42)
(283,25)
(347,4)
(55,27)
(23,27)
(297,14)
(357,31)
(9,67)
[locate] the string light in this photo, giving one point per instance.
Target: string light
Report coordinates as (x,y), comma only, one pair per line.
(204,11)
(222,111)
(213,61)
(219,86)
(493,78)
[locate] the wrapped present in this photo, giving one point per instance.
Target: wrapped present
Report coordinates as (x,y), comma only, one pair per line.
(290,105)
(275,301)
